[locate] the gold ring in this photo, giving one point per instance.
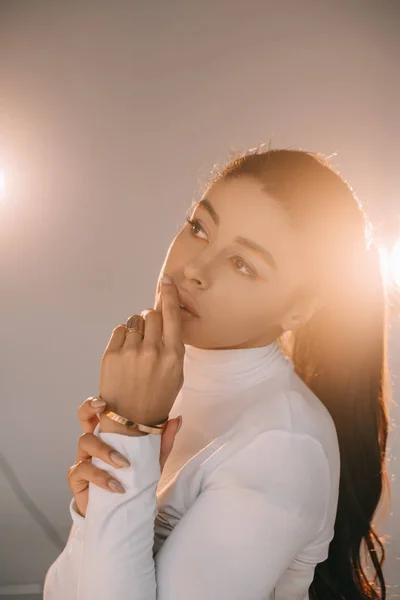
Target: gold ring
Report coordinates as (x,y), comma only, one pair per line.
(135,324)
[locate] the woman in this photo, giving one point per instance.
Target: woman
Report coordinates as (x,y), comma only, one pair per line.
(272,483)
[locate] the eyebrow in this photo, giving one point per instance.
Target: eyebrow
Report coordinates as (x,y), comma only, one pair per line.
(267,256)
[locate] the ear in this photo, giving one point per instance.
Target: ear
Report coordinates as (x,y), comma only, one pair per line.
(299,314)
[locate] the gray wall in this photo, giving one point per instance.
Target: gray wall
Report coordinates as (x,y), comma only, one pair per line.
(24,597)
(111,113)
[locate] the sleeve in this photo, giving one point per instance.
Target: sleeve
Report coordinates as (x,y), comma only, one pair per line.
(258,509)
(117,554)
(109,554)
(61,581)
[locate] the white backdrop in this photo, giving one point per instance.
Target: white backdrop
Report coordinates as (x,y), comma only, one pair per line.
(112,112)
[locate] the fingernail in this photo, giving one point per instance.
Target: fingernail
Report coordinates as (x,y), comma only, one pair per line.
(167,279)
(180,423)
(115,486)
(118,459)
(98,402)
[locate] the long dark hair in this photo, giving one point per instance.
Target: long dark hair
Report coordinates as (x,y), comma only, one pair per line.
(340,353)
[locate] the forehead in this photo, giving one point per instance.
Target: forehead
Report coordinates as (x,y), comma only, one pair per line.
(245,209)
(244,197)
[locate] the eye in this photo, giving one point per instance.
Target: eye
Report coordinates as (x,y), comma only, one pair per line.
(194,223)
(248,270)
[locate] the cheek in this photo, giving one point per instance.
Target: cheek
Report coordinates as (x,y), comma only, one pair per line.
(256,307)
(177,252)
(173,256)
(238,310)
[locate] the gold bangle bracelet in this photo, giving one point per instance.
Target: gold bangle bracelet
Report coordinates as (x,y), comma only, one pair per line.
(155,429)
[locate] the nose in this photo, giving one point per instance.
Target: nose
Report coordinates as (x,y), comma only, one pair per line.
(192,283)
(192,273)
(199,268)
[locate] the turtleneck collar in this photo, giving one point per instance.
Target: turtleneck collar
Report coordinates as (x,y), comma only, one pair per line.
(231,370)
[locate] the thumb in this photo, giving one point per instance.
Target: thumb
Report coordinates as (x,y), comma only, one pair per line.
(168,438)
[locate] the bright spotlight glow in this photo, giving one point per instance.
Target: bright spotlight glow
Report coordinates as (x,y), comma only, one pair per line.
(394,264)
(384,262)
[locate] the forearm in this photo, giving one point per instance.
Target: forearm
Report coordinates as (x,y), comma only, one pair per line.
(117,557)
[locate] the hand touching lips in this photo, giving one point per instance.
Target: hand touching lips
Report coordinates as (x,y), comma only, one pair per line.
(187,302)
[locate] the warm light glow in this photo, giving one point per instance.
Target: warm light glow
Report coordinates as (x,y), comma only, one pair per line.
(394,264)
(2,185)
(390,265)
(384,262)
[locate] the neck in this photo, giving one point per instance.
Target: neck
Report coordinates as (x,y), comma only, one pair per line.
(266,339)
(230,369)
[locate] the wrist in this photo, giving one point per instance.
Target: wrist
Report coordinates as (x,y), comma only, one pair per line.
(150,419)
(109,426)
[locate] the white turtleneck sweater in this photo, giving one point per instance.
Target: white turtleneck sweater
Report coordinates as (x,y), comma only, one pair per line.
(246,504)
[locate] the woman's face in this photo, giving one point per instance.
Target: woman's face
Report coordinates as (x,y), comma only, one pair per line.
(242,293)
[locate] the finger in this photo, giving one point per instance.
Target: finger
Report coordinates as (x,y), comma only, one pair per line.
(90,445)
(87,414)
(153,327)
(171,313)
(117,339)
(80,474)
(133,339)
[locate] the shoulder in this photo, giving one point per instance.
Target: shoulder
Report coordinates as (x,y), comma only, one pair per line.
(291,406)
(289,470)
(275,455)
(284,446)
(308,412)
(309,416)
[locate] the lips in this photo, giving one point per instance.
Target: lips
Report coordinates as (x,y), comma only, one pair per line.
(187,302)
